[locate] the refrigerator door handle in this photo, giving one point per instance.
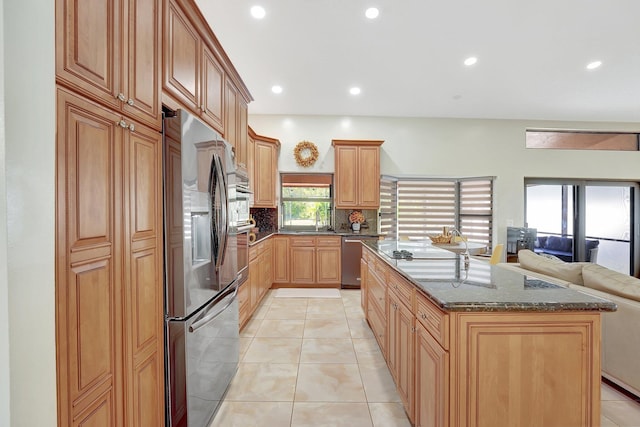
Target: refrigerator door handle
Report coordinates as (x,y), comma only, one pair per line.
(214,220)
(211,316)
(224,225)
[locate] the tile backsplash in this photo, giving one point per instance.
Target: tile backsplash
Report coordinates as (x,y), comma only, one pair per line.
(370,224)
(266,218)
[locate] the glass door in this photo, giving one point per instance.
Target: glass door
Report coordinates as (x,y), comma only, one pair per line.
(608,225)
(584,221)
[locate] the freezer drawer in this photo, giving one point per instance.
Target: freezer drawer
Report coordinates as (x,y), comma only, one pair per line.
(202,358)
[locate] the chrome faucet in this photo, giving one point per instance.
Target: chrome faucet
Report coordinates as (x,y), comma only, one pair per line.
(453,232)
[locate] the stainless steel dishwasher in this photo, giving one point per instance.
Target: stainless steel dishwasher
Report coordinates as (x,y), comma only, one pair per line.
(351,254)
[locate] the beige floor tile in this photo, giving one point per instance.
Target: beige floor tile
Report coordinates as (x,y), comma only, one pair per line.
(261,311)
(367,351)
(262,382)
(251,328)
(330,415)
(606,422)
(273,350)
(245,342)
(326,328)
(388,415)
(624,413)
(245,414)
(325,309)
(359,328)
(329,382)
(271,328)
(354,312)
(327,350)
(286,312)
(378,383)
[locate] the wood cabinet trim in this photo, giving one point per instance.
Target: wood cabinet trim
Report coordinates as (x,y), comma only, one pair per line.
(357,142)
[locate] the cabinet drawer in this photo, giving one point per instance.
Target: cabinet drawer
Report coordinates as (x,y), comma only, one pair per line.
(303,241)
(380,269)
(367,255)
(243,296)
(378,325)
(434,320)
(377,291)
(328,241)
(403,289)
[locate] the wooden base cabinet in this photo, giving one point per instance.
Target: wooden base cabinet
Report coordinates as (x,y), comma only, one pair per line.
(485,369)
(259,280)
(432,381)
(314,261)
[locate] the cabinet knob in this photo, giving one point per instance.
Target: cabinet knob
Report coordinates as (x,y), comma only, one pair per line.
(424,316)
(130,102)
(413,329)
(122,124)
(132,127)
(121,97)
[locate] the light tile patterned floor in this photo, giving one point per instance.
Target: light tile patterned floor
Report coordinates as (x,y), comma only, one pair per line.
(314,362)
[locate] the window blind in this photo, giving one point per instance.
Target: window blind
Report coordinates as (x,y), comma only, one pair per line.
(415,208)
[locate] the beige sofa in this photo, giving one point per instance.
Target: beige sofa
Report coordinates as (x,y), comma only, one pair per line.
(620,329)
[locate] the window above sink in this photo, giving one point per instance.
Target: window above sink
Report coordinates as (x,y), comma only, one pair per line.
(306,202)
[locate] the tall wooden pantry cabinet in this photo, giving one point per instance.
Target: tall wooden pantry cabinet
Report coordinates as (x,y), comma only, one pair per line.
(109,213)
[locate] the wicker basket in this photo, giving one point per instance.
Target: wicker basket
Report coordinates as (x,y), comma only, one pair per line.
(441,239)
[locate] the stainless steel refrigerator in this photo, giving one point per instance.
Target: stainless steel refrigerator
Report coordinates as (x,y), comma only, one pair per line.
(201,271)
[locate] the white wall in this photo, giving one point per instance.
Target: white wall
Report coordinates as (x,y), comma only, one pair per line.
(29,99)
(455,147)
(5,407)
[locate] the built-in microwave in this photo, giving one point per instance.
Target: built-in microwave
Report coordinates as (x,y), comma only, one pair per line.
(243,200)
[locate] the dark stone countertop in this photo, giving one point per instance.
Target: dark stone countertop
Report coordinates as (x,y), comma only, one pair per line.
(441,276)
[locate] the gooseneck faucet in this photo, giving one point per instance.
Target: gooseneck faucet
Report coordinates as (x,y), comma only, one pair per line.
(453,232)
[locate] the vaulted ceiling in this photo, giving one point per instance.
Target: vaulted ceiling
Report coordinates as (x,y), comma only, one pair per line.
(532,57)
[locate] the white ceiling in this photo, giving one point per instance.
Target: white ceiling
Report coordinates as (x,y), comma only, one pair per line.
(532,57)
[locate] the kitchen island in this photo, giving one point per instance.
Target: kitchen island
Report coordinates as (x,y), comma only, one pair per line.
(471,344)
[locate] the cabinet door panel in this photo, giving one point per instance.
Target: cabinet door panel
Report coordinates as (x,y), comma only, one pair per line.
(212,90)
(148,401)
(281,259)
(88,290)
(231,115)
(328,261)
(265,175)
(88,46)
(182,58)
(346,177)
(142,64)
(369,177)
(242,136)
(303,265)
(405,352)
(432,381)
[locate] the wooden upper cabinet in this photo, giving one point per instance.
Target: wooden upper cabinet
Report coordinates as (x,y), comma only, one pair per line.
(182,54)
(357,174)
(242,142)
(212,90)
(109,51)
(265,169)
(231,114)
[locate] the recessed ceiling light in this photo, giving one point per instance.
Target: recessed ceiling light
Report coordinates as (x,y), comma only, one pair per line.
(354,91)
(258,12)
(276,89)
(593,65)
(372,13)
(470,61)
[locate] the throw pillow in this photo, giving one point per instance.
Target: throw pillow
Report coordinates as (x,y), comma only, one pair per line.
(567,271)
(606,280)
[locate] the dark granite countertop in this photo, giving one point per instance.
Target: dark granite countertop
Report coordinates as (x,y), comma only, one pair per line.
(441,276)
(265,234)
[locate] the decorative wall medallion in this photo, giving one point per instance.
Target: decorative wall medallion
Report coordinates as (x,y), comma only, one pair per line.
(306,153)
